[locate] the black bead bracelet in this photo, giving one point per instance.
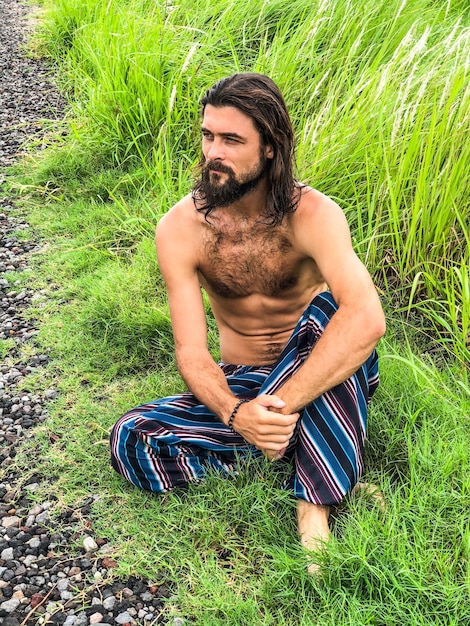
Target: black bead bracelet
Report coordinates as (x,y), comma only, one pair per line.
(234,412)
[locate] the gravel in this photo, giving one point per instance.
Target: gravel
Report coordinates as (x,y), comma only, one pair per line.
(44,577)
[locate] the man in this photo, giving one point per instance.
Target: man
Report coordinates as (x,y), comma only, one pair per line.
(298,362)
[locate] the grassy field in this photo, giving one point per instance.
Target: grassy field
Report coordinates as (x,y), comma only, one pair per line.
(380,98)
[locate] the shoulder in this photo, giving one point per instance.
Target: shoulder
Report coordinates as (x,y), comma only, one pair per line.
(181,223)
(320,230)
(178,234)
(314,203)
(317,216)
(183,211)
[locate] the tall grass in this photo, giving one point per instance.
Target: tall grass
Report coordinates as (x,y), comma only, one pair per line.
(378,91)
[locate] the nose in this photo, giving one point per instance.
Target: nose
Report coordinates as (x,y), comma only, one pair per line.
(215,151)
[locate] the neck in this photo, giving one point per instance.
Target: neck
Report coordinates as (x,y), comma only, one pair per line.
(253,204)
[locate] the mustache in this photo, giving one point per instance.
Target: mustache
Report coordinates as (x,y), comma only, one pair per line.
(216,165)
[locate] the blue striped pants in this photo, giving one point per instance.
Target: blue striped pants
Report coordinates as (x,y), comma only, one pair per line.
(172,441)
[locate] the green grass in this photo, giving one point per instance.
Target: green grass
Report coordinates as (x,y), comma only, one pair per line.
(379,95)
(5,346)
(230,549)
(378,91)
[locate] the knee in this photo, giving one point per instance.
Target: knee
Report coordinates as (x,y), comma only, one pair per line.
(120,434)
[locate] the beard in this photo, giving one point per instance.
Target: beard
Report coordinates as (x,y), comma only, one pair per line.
(214,191)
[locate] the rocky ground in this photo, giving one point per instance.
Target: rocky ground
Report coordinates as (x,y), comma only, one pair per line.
(44,578)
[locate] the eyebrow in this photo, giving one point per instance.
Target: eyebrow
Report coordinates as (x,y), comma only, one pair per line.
(227,135)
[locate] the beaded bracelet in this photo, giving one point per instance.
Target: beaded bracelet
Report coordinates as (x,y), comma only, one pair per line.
(234,412)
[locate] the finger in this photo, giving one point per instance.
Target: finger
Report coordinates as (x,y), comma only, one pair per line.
(270,401)
(280,421)
(280,454)
(275,431)
(269,454)
(273,455)
(274,438)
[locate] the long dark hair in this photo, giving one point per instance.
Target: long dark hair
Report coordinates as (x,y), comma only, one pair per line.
(259,97)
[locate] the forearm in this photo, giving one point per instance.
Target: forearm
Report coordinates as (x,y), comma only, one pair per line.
(206,381)
(344,346)
(255,422)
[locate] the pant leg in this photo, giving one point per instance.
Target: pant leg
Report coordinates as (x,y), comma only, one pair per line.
(328,444)
(171,442)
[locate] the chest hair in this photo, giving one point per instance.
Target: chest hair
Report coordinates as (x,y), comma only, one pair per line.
(246,259)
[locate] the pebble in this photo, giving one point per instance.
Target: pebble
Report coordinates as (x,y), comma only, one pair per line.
(10,605)
(124,618)
(90,544)
(41,570)
(109,603)
(12,521)
(7,555)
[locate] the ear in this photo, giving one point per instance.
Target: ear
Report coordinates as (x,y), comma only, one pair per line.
(269,151)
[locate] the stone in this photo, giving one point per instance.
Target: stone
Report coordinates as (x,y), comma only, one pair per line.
(10,605)
(65,596)
(7,554)
(29,560)
(13,520)
(109,603)
(34,542)
(90,544)
(75,571)
(36,599)
(8,575)
(124,618)
(42,518)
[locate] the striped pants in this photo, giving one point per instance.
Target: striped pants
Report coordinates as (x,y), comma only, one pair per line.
(171,442)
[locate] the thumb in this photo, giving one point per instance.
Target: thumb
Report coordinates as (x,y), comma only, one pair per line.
(271,401)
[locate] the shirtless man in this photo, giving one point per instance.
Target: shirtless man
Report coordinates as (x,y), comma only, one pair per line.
(297,313)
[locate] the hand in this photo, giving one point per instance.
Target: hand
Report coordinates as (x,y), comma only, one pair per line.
(260,423)
(273,455)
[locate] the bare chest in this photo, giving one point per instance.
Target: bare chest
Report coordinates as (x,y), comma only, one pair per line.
(238,263)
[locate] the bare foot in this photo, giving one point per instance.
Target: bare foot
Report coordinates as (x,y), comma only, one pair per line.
(312,522)
(371,490)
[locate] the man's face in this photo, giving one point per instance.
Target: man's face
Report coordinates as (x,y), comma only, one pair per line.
(235,158)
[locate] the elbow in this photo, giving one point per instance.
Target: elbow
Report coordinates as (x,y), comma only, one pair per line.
(371,323)
(375,318)
(189,358)
(182,358)
(377,327)
(380,331)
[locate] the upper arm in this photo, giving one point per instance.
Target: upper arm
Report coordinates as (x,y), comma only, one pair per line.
(323,234)
(177,258)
